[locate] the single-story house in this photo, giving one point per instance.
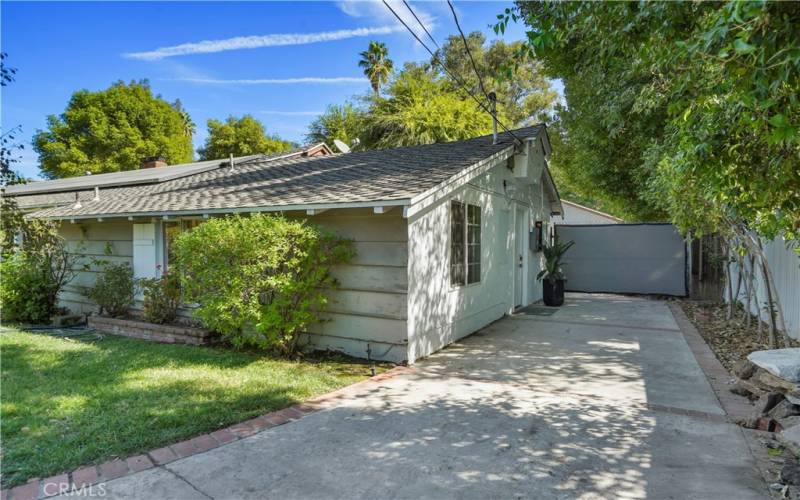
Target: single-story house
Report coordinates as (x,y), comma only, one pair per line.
(447,234)
(579,214)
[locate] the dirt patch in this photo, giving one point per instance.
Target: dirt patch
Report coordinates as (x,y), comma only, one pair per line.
(730,340)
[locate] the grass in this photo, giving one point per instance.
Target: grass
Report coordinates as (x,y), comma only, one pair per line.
(67,403)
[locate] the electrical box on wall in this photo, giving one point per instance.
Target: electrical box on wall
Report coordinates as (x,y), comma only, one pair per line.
(536,237)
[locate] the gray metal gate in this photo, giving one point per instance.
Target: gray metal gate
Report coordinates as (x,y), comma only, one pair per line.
(625,258)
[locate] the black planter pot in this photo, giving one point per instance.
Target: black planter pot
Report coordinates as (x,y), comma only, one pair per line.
(553,292)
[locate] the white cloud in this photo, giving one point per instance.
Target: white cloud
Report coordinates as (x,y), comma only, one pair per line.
(254,42)
(376,11)
(276,81)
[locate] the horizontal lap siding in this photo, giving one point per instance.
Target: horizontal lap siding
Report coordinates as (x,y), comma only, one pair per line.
(370,304)
(92,240)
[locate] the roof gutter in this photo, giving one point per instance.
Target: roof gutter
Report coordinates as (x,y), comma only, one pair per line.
(239,210)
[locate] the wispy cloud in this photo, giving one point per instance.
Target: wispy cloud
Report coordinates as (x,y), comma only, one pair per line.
(255,42)
(377,12)
(275,81)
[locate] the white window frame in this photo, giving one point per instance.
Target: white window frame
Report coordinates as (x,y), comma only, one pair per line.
(465,264)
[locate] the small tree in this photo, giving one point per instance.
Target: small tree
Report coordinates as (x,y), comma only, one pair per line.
(35,268)
(258,280)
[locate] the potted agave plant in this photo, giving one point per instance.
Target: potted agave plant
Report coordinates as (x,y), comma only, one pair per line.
(552,276)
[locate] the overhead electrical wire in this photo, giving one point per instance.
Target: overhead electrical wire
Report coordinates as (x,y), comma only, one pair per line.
(422,24)
(469,52)
(449,73)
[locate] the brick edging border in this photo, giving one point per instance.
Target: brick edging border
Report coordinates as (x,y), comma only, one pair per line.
(89,475)
(736,407)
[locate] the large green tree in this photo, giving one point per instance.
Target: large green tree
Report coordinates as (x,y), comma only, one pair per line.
(376,65)
(687,108)
(420,107)
(345,122)
(112,130)
(240,137)
(424,104)
(524,94)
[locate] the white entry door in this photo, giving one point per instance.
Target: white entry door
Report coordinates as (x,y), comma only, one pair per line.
(520,250)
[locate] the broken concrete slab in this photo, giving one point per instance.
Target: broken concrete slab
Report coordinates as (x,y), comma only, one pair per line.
(791,437)
(783,363)
(784,409)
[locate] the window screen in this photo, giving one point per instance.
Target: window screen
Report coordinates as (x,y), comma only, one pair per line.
(465,243)
(457,242)
(473,244)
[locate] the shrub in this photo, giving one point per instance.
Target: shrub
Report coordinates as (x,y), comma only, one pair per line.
(27,293)
(258,280)
(162,297)
(35,272)
(114,289)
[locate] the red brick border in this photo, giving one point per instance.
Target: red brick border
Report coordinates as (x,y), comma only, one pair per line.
(86,476)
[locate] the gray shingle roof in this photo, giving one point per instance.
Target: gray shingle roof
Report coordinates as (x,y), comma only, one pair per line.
(396,174)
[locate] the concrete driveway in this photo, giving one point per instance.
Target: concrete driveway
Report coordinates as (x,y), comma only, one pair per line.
(601,398)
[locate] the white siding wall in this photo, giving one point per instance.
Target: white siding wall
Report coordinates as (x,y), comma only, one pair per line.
(369,310)
(785,265)
(440,313)
(91,239)
(370,307)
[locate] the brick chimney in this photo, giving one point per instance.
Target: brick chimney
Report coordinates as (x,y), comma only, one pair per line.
(154,162)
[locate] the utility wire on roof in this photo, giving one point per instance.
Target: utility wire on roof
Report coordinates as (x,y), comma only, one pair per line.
(469,52)
(454,77)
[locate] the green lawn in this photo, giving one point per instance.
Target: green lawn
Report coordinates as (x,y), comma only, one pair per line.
(68,403)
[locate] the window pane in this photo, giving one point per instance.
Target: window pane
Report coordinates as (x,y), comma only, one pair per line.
(473,244)
(457,244)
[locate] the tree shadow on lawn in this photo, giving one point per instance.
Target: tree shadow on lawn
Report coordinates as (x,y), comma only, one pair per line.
(94,401)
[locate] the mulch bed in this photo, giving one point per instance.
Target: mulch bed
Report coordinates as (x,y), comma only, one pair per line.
(729,340)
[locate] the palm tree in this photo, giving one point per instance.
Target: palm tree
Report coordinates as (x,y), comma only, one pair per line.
(377,65)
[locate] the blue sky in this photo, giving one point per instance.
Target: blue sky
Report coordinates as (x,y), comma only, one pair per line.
(282,62)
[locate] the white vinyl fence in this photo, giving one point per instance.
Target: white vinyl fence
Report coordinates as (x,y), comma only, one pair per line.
(785,265)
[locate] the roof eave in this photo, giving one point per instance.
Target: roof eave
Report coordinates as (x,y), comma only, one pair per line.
(217,211)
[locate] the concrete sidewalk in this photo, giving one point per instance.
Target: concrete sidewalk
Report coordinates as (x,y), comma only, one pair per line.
(600,399)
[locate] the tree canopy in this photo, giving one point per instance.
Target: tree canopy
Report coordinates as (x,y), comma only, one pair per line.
(688,109)
(240,137)
(345,122)
(112,130)
(422,104)
(524,94)
(421,108)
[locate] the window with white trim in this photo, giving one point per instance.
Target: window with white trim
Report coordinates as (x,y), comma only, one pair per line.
(465,243)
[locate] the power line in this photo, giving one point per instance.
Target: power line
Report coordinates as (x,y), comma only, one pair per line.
(454,77)
(469,52)
(421,24)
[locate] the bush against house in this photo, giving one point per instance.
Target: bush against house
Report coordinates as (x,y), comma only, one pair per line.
(259,280)
(35,268)
(162,297)
(114,289)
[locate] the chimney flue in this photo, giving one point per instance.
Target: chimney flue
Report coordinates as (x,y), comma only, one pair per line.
(154,162)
